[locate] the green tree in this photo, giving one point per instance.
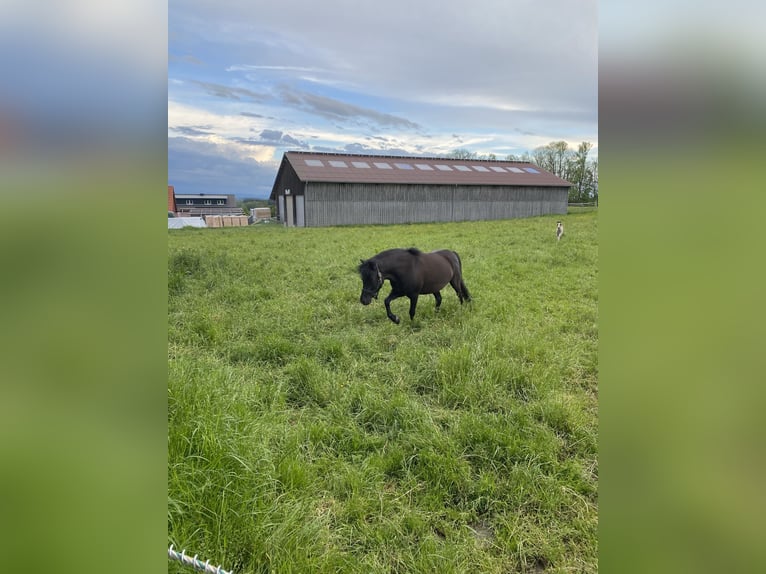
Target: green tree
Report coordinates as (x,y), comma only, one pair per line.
(573,166)
(250,203)
(580,175)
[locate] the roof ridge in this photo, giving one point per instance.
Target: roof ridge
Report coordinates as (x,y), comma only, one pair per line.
(410,157)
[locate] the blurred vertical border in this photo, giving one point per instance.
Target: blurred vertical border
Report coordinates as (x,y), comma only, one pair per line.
(682,334)
(83,159)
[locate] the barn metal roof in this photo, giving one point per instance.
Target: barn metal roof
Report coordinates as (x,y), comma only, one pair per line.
(354,168)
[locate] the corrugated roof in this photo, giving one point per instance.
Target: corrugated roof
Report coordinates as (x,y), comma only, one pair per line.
(331,167)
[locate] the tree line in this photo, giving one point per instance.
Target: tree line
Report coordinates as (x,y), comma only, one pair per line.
(249,203)
(559,159)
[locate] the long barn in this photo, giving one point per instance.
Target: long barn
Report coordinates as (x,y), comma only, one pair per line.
(321,189)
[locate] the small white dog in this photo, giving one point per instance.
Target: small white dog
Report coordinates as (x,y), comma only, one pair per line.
(559,230)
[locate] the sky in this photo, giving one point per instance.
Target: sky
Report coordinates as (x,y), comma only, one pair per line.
(251,79)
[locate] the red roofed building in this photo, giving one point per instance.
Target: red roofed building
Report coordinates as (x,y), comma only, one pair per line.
(171,199)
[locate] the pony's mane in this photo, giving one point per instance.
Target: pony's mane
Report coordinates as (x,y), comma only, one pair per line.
(414,250)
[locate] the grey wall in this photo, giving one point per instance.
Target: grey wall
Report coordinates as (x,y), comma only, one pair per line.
(353,204)
(287,179)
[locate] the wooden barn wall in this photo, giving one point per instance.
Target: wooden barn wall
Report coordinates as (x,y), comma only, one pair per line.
(288,179)
(490,202)
(354,204)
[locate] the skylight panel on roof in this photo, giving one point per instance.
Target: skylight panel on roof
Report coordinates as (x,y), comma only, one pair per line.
(382,165)
(443,167)
(424,166)
(479,168)
(497,168)
(462,168)
(531,170)
(403,166)
(515,170)
(337,163)
(314,163)
(361,164)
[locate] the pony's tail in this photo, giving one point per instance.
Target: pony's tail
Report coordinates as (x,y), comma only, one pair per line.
(463,289)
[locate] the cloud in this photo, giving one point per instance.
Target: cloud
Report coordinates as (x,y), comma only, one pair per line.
(335,109)
(292,141)
(271,135)
(228,92)
(188,59)
(274,138)
(508,52)
(248,68)
(210,124)
(203,167)
(365,149)
(195,131)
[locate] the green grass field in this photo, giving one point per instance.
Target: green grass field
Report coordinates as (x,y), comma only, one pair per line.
(308,433)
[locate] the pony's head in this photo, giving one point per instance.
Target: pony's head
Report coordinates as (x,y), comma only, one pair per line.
(372,281)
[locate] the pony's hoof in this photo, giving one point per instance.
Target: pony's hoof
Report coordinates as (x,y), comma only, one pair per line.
(395,319)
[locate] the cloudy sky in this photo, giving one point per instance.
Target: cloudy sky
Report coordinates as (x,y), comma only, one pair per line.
(251,79)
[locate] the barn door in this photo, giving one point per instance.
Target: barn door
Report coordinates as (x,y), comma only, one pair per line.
(289,211)
(300,219)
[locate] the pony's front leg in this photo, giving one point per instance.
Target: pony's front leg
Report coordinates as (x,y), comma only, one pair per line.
(413,304)
(387,301)
(438,297)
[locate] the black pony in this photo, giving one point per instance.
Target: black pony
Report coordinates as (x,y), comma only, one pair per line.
(411,273)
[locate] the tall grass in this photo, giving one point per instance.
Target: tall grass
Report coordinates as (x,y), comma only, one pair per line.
(308,433)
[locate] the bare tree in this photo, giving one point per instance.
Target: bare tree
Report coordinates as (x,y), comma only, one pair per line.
(462,153)
(553,157)
(560,152)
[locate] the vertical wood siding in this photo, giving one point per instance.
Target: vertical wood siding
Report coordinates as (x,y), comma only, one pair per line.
(288,180)
(358,203)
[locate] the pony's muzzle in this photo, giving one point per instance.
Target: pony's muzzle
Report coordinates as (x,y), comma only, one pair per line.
(367,296)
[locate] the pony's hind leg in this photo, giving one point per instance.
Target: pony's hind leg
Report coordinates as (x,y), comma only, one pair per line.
(464,289)
(413,304)
(456,283)
(438,297)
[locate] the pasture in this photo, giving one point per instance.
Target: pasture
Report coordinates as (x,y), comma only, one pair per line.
(308,433)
